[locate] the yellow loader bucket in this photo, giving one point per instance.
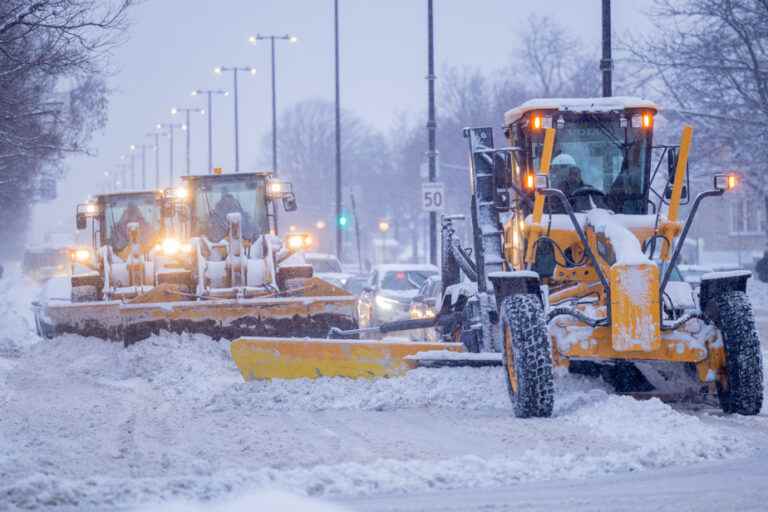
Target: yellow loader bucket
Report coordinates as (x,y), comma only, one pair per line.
(305,358)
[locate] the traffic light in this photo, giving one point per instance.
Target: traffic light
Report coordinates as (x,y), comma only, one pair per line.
(343,220)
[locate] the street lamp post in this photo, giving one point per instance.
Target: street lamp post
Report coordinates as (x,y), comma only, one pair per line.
(156,135)
(187,127)
(209,93)
(219,70)
(171,127)
(122,181)
(143,162)
(271,39)
(337,109)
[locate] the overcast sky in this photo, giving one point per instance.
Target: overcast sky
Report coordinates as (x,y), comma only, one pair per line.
(174,45)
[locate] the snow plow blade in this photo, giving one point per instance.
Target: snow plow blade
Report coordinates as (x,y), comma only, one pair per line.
(302,358)
(98,319)
(232,318)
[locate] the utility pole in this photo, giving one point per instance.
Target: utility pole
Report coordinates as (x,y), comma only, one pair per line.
(431,127)
(187,127)
(606,64)
(339,233)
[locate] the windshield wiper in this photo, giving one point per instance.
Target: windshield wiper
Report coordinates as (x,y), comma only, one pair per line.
(623,146)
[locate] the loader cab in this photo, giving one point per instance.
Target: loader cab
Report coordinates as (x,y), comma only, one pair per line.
(209,199)
(111,214)
(602,151)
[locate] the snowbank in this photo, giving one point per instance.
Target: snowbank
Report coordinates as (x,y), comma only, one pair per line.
(88,424)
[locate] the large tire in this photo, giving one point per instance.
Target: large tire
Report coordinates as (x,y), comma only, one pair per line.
(527,356)
(740,387)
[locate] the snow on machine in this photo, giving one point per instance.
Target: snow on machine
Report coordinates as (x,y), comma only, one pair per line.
(118,266)
(573,264)
(222,272)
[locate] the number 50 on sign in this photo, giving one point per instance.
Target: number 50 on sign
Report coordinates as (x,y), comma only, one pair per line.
(432,197)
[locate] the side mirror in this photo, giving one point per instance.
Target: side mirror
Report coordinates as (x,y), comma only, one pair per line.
(367,289)
(81,221)
(671,168)
(683,194)
(289,202)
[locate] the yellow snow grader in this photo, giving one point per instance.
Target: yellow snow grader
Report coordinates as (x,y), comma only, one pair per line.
(576,240)
(225,273)
(117,266)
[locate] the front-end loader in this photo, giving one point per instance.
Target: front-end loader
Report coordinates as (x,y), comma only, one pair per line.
(225,273)
(118,265)
(575,243)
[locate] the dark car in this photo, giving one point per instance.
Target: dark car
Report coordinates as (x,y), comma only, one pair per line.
(426,304)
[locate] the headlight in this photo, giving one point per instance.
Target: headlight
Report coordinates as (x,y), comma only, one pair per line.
(82,255)
(181,193)
(277,188)
(385,303)
(171,246)
(298,241)
(91,208)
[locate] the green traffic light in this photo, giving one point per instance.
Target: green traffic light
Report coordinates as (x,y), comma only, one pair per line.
(343,221)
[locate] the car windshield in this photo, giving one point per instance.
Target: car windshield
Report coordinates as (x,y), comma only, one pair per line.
(355,285)
(120,211)
(595,151)
(216,199)
(404,280)
(324,264)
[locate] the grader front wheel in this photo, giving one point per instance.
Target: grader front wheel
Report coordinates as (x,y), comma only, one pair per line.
(740,385)
(527,356)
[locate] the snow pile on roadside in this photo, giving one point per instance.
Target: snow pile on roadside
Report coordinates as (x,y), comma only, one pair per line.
(182,366)
(16,296)
(647,435)
(264,500)
(455,388)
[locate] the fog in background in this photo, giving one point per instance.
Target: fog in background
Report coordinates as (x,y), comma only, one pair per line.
(173,46)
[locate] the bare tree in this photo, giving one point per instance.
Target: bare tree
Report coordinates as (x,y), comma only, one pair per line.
(710,61)
(555,60)
(53,56)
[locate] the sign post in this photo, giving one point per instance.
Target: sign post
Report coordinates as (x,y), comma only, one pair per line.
(432,196)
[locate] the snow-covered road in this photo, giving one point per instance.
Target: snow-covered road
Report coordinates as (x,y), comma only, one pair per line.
(87,424)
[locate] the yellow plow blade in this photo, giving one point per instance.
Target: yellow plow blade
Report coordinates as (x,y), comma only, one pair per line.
(307,358)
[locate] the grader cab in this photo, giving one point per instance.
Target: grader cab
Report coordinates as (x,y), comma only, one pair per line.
(576,237)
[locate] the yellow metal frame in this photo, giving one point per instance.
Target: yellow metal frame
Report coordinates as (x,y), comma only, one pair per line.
(581,283)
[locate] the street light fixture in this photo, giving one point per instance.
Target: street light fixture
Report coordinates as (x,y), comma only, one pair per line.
(170,127)
(272,38)
(234,69)
(210,93)
(187,127)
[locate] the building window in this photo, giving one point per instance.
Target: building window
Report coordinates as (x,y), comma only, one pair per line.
(748,216)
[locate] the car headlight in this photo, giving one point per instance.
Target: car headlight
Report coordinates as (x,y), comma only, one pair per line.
(171,246)
(299,241)
(385,303)
(81,255)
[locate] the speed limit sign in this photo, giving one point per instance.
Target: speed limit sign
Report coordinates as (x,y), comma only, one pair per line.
(432,197)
